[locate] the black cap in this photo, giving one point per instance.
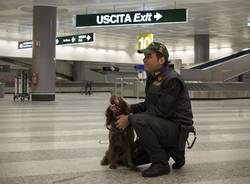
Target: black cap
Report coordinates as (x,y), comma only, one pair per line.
(155,47)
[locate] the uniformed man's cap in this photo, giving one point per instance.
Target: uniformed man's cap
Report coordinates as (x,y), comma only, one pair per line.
(155,47)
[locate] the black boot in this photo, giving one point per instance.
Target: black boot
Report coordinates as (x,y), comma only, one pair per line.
(156,169)
(179,158)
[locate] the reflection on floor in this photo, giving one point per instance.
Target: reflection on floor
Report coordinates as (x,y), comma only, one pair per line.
(58,142)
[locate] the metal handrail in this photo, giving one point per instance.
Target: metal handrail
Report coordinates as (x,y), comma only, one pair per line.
(124,80)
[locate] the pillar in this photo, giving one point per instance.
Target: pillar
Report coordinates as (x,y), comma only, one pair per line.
(43,53)
(201,48)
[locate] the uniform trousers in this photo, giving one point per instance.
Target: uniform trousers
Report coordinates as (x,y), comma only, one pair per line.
(157,139)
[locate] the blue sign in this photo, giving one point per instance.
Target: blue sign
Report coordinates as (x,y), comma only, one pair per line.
(139,67)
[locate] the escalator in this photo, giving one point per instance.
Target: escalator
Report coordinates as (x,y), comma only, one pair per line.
(221,60)
(222,69)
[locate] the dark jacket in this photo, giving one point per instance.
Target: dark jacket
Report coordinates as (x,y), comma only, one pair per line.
(166,97)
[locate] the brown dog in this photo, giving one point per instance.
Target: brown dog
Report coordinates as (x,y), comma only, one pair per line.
(120,141)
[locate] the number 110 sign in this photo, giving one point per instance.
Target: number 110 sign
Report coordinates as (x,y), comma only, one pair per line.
(144,40)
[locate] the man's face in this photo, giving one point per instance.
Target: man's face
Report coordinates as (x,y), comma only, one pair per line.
(151,63)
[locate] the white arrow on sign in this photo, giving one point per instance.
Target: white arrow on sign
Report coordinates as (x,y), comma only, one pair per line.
(73,39)
(88,37)
(157,16)
(57,41)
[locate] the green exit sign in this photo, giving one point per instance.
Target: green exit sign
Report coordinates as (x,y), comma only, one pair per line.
(90,37)
(130,18)
(72,39)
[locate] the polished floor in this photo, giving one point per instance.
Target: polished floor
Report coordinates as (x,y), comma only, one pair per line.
(63,142)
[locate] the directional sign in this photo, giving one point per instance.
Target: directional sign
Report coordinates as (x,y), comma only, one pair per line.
(138,17)
(25,44)
(82,38)
(90,37)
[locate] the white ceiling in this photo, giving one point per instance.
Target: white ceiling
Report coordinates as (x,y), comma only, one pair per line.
(224,20)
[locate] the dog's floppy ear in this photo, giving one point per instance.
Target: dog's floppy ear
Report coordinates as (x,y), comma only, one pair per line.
(108,115)
(110,118)
(123,105)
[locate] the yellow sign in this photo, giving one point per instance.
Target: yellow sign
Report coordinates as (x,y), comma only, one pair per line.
(144,40)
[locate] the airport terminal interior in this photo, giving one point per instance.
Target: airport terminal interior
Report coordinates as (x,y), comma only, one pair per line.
(62,60)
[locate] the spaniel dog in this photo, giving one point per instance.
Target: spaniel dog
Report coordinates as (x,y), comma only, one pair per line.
(120,140)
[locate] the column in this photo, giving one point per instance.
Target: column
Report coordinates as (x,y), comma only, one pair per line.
(201,48)
(43,53)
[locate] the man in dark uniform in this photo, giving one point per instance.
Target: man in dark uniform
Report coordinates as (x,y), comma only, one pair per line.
(157,120)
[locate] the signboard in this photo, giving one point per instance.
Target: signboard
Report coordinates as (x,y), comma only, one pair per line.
(137,17)
(248,21)
(81,38)
(25,44)
(139,67)
(144,40)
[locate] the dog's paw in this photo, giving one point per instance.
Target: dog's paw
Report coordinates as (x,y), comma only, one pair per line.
(104,161)
(113,166)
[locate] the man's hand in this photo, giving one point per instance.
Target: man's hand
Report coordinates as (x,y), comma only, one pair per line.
(122,121)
